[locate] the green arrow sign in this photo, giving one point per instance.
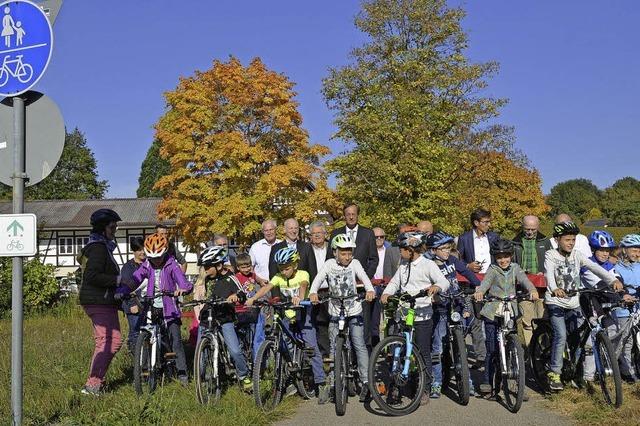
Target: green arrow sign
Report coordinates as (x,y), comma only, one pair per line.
(13,227)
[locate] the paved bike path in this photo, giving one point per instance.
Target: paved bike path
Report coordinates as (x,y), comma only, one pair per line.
(478,412)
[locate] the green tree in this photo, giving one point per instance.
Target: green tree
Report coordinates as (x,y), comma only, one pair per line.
(40,286)
(621,202)
(410,112)
(75,177)
(575,197)
(153,168)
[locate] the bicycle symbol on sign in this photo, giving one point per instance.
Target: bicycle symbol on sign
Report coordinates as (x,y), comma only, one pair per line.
(23,72)
(15,245)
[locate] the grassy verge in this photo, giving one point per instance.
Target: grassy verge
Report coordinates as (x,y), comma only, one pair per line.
(586,408)
(57,348)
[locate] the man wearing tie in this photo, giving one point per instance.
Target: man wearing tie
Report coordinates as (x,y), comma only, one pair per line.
(367,253)
(307,260)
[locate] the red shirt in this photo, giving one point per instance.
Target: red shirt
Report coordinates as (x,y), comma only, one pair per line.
(249,287)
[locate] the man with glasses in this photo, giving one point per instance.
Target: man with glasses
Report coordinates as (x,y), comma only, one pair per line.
(474,249)
(261,249)
(530,246)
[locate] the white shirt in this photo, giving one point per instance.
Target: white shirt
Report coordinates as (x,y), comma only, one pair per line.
(379,269)
(259,253)
(353,233)
(342,283)
(582,245)
(321,255)
(482,251)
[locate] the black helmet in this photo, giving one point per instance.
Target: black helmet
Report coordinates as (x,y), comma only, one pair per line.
(410,240)
(565,228)
(104,217)
(501,247)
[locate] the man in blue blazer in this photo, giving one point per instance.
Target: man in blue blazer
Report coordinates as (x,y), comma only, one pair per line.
(474,247)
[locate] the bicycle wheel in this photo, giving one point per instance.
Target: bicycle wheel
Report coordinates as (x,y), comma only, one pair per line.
(207,371)
(607,370)
(145,376)
(303,380)
(25,74)
(268,376)
(396,380)
(513,382)
(340,373)
(460,366)
(540,355)
(4,77)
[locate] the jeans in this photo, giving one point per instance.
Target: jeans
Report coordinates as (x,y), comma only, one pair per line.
(233,346)
(258,334)
(106,334)
(173,328)
(135,321)
(423,331)
(626,361)
(440,330)
(305,328)
(563,322)
(491,342)
(356,336)
(320,317)
(477,334)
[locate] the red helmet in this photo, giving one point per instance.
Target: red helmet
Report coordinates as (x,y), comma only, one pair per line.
(155,246)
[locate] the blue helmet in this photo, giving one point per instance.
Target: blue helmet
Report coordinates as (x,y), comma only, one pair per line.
(631,240)
(601,239)
(438,239)
(286,255)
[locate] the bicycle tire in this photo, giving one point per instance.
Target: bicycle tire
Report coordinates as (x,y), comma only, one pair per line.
(28,73)
(460,366)
(340,378)
(207,377)
(304,382)
(144,376)
(635,357)
(4,77)
(268,376)
(386,385)
(608,367)
(515,374)
(540,355)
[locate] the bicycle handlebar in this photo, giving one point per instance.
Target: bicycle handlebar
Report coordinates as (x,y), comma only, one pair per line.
(209,302)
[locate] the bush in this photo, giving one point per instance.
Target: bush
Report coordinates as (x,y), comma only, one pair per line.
(40,288)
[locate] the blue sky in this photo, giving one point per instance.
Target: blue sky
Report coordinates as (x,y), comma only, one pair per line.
(569,69)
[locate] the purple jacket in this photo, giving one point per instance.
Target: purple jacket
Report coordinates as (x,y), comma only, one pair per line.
(171,278)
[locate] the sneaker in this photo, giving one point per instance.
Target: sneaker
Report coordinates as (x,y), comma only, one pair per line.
(436,390)
(90,390)
(364,392)
(246,383)
(554,381)
(485,388)
(323,394)
(184,380)
(629,379)
(291,390)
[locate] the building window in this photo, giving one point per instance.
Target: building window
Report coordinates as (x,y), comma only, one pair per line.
(65,245)
(81,242)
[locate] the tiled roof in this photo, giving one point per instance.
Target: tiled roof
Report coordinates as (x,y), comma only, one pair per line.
(64,214)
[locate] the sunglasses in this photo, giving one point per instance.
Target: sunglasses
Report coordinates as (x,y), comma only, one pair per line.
(380,237)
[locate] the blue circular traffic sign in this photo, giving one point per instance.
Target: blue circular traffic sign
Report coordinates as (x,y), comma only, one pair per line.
(26,43)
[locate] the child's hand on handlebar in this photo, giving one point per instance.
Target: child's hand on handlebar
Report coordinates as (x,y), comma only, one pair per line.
(478,295)
(558,292)
(249,301)
(295,300)
(369,296)
(313,297)
(617,285)
(629,298)
(233,298)
(534,296)
(433,290)
(179,292)
(383,299)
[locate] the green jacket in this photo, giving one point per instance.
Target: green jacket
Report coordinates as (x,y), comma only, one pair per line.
(99,276)
(502,283)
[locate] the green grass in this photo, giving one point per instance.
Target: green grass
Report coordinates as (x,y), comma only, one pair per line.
(57,350)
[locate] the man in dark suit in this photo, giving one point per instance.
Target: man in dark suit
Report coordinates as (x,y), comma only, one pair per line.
(307,260)
(474,247)
(367,254)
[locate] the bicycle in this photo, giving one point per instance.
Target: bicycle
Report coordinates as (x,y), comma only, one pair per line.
(15,244)
(212,366)
(154,360)
(510,368)
(23,72)
(345,368)
(631,330)
(396,368)
(454,352)
(607,370)
(282,356)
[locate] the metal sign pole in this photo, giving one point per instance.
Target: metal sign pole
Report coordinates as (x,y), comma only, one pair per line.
(17,275)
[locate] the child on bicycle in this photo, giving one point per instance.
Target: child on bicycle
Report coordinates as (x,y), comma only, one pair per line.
(500,281)
(165,275)
(250,286)
(293,283)
(439,245)
(563,267)
(341,274)
(414,274)
(221,284)
(628,267)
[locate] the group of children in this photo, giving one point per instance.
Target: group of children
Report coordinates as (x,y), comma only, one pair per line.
(426,264)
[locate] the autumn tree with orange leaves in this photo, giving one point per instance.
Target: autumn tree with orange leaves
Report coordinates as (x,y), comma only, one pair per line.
(238,153)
